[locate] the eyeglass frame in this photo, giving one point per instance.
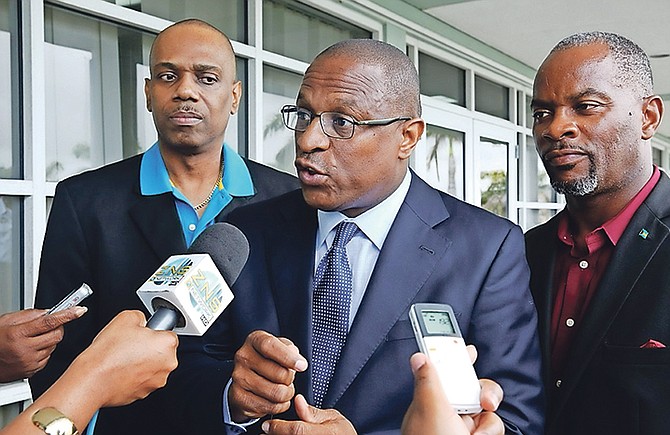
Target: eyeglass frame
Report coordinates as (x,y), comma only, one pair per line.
(288,108)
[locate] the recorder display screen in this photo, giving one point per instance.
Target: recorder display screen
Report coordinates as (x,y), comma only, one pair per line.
(437,322)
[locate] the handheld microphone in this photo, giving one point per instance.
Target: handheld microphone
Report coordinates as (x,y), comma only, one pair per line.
(189,291)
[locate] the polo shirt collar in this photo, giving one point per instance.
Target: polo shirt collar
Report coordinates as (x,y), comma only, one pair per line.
(155,180)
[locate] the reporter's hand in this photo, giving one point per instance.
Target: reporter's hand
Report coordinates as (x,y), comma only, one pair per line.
(487,422)
(430,411)
(262,379)
(27,339)
(313,421)
(126,361)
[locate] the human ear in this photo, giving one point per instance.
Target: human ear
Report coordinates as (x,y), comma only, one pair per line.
(237,96)
(652,112)
(147,95)
(412,131)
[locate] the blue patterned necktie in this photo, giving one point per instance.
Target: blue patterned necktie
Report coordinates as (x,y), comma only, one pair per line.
(332,301)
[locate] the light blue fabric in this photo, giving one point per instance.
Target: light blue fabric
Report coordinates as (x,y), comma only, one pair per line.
(155,180)
(91,424)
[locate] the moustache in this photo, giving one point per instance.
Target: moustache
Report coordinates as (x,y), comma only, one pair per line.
(561,146)
(311,163)
(185,108)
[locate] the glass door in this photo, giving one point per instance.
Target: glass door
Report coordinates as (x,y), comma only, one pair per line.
(441,154)
(496,170)
(473,160)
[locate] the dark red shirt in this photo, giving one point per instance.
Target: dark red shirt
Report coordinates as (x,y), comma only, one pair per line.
(577,274)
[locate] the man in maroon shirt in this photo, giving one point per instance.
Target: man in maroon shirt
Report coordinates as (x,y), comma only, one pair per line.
(600,269)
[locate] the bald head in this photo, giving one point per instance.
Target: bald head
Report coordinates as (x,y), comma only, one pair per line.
(218,37)
(400,84)
(193,88)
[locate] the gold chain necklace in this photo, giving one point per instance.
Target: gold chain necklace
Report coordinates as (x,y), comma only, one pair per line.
(216,185)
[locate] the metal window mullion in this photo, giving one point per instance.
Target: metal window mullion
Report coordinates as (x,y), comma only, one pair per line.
(34,140)
(255,81)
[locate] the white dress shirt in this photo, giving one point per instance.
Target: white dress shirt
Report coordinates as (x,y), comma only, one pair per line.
(363,249)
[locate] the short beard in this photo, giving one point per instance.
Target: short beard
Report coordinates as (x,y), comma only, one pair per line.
(581,187)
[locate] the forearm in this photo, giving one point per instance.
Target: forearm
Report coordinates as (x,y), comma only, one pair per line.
(73,394)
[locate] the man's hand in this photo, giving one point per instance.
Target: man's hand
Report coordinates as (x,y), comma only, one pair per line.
(313,421)
(262,379)
(431,413)
(27,339)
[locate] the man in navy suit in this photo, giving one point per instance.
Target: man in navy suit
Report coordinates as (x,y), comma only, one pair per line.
(356,121)
(112,227)
(600,269)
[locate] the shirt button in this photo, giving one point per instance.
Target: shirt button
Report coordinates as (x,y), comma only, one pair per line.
(570,323)
(558,383)
(191,227)
(583,264)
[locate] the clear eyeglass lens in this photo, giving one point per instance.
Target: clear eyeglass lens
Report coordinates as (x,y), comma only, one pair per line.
(302,119)
(337,125)
(333,124)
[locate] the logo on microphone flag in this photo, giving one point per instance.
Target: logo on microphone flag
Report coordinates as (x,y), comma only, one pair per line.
(172,271)
(193,284)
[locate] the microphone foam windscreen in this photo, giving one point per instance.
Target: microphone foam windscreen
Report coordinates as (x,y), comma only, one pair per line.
(228,247)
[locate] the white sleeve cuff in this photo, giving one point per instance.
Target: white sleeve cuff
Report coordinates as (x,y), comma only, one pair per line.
(233,428)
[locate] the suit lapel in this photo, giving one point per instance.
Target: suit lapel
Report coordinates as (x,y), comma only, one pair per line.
(543,248)
(394,283)
(292,260)
(629,261)
(157,220)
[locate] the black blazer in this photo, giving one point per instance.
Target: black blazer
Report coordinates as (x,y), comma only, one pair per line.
(610,384)
(439,249)
(102,231)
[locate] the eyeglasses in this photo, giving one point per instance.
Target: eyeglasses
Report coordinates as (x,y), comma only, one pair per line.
(333,124)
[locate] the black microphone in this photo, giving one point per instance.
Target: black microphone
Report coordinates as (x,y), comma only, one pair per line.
(188,292)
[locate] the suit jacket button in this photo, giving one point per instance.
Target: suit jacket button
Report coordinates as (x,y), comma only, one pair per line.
(558,383)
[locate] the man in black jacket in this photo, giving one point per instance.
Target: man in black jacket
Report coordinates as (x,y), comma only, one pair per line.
(114,226)
(599,269)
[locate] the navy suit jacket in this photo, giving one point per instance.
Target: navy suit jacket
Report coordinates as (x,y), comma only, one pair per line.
(102,231)
(611,385)
(439,249)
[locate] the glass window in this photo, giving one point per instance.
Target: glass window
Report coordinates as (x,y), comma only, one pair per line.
(445,161)
(300,32)
(537,187)
(230,17)
(440,79)
(529,113)
(10,253)
(533,216)
(493,175)
(236,131)
(9,413)
(657,156)
(10,165)
(491,98)
(524,116)
(279,88)
(95,69)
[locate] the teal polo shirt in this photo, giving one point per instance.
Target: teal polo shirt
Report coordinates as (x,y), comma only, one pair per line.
(154,180)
